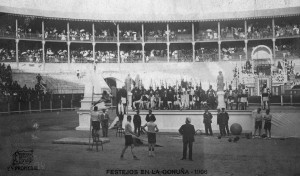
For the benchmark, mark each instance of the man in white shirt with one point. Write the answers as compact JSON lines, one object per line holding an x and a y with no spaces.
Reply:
{"x":128,"y":138}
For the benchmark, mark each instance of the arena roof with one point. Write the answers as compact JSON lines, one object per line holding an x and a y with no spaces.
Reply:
{"x":151,"y":10}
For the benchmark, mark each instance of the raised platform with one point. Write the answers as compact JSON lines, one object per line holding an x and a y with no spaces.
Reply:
{"x":171,"y":120}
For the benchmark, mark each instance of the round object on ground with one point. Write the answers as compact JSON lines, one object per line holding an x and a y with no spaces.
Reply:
{"x":219,"y":137}
{"x":236,"y":129}
{"x":229,"y":140}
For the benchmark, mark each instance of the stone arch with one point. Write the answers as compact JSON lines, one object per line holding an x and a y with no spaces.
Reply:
{"x":259,"y":52}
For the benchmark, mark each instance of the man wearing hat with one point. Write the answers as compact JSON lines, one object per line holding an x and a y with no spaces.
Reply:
{"x":187,"y":131}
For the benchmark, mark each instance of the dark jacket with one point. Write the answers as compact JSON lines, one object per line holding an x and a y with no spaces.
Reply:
{"x":149,"y":116}
{"x":137,"y":120}
{"x":223,"y":118}
{"x":187,"y":131}
{"x":207,"y":117}
{"x":104,"y":119}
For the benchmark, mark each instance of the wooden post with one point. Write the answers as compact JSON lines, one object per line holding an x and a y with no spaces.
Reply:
{"x":193,"y":32}
{"x":61,"y":105}
{"x":19,"y":104}
{"x":193,"y":43}
{"x":143,"y":52}
{"x":219,"y":50}
{"x":8,"y":107}
{"x":51,"y":105}
{"x":29,"y":106}
{"x":281,"y":100}
{"x":291,"y":99}
{"x":168,"y":51}
{"x":17,"y":53}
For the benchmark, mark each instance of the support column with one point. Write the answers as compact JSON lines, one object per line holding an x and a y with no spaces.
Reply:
{"x":193,"y":32}
{"x":17,"y":28}
{"x":193,"y":43}
{"x":43,"y":47}
{"x":43,"y":30}
{"x":143,"y":51}
{"x":118,"y":45}
{"x":274,"y":46}
{"x":94,"y":55}
{"x":68,"y":31}
{"x":93,"y":32}
{"x":246,"y":31}
{"x":246,"y":49}
{"x":168,"y":50}
{"x":219,"y":31}
{"x":69,"y":53}
{"x":219,"y":49}
{"x":118,"y":33}
{"x":143,"y":33}
{"x":17,"y":52}
{"x":273,"y":27}
{"x":168,"y":33}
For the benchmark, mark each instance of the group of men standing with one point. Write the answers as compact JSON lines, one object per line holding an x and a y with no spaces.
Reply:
{"x":222,"y":121}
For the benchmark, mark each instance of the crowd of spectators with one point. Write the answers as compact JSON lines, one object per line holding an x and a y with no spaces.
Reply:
{"x":11,"y":89}
{"x":131,"y":35}
{"x":7,"y":54}
{"x":156,"y":34}
{"x":208,"y":34}
{"x":179,"y":97}
{"x":287,"y":30}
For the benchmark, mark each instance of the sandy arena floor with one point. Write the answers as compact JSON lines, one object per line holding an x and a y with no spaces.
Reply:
{"x":212,"y":156}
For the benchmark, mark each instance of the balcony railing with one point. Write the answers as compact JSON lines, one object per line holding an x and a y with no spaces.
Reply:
{"x":105,"y":39}
{"x":130,"y":39}
{"x":7,"y":35}
{"x":182,"y":37}
{"x":29,"y":36}
{"x":155,"y":39}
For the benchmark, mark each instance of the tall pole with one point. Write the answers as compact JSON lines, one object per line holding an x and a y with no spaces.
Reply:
{"x":168,"y":42}
{"x":193,"y":43}
{"x":118,"y":42}
{"x":17,"y":53}
{"x":17,"y":45}
{"x":274,"y":38}
{"x":143,"y":43}
{"x":68,"y":42}
{"x":219,"y":40}
{"x":94,"y":44}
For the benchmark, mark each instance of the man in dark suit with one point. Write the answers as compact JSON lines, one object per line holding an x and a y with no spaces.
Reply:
{"x":187,"y":131}
{"x":148,"y":116}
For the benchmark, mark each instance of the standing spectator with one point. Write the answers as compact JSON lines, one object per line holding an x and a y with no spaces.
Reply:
{"x":187,"y":131}
{"x":220,"y":123}
{"x":267,"y":127}
{"x":78,"y":74}
{"x":258,"y":122}
{"x":211,"y":94}
{"x":137,"y":123}
{"x":151,"y":132}
{"x":225,"y":119}
{"x":120,"y":112}
{"x":39,"y":78}
{"x":128,"y":138}
{"x":95,"y":122}
{"x":148,"y":116}
{"x":104,"y":122}
{"x":207,"y":122}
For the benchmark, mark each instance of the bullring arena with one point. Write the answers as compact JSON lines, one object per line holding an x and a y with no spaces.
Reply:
{"x":179,"y":59}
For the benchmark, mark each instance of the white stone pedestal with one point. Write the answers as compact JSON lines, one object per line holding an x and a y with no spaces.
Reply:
{"x":129,"y":98}
{"x":85,"y":111}
{"x":221,"y":102}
